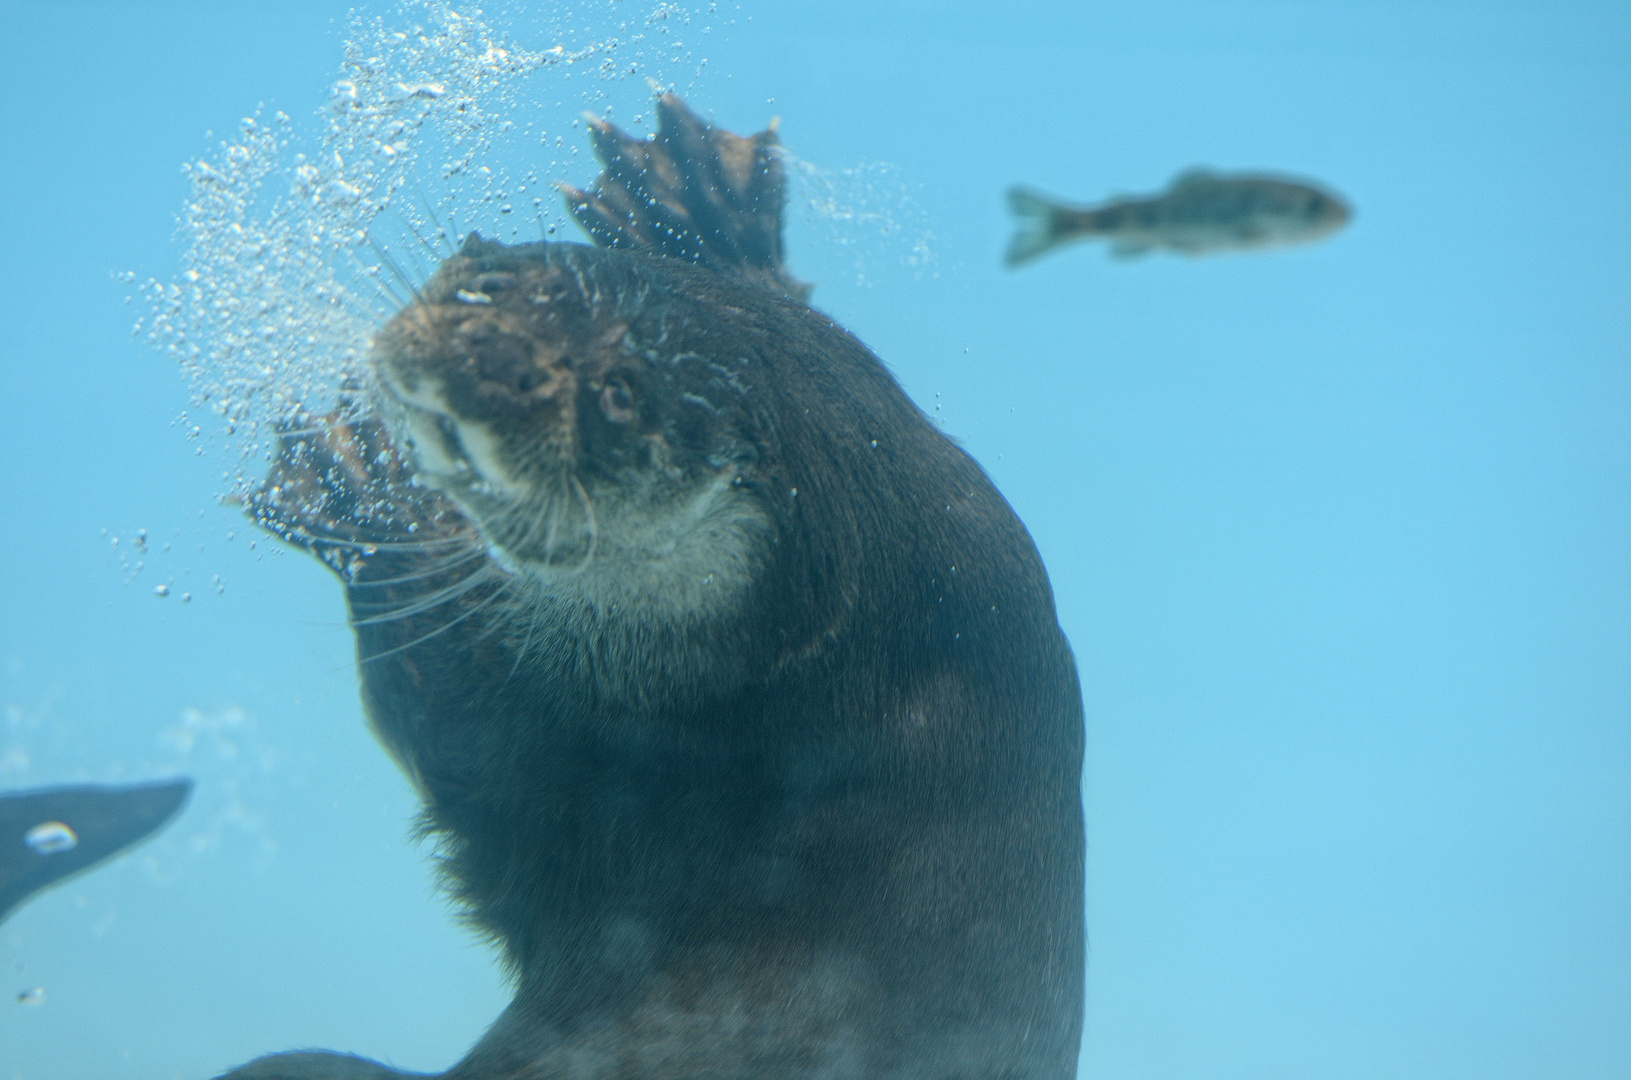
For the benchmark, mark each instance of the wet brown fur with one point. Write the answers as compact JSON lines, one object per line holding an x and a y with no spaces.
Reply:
{"x":830,"y":830}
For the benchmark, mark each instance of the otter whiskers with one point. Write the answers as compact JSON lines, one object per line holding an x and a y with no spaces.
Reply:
{"x":450,"y":624}
{"x":419,"y":605}
{"x":369,"y":545}
{"x":460,"y":598}
{"x":456,"y":559}
{"x":589,"y":514}
{"x":384,"y":255}
{"x":533,"y":531}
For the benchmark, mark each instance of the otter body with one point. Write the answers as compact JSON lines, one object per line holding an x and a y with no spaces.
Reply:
{"x":732,"y":687}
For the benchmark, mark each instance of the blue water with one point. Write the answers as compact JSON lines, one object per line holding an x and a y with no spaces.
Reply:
{"x":1340,"y":534}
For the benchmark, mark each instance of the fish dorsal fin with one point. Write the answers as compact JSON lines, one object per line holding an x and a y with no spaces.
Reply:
{"x":694,"y":191}
{"x":1190,"y":177}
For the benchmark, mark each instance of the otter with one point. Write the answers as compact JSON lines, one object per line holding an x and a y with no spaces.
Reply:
{"x":732,"y":687}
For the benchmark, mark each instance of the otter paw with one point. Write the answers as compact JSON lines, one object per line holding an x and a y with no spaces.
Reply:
{"x":695,"y":192}
{"x":340,"y":486}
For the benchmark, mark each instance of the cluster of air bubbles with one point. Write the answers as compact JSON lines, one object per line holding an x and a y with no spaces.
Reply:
{"x":162,"y":564}
{"x":300,"y":242}
{"x":868,"y":214}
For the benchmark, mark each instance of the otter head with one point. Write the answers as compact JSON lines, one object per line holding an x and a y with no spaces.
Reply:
{"x":559,"y":396}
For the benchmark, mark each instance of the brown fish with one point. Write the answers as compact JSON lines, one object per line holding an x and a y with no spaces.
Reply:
{"x":1200,"y":212}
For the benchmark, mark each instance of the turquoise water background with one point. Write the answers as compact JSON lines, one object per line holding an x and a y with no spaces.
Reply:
{"x":1341,"y":535}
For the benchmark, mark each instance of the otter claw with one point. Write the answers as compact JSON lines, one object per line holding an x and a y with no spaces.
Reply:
{"x":694,"y":192}
{"x":340,"y":484}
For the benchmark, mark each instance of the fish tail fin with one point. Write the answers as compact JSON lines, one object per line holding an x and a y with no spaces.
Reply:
{"x":1043,"y":224}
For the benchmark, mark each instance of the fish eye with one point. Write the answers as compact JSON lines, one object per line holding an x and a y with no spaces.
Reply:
{"x":617,"y":401}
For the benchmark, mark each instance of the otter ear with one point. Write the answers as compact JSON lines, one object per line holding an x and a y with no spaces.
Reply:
{"x":693,"y":192}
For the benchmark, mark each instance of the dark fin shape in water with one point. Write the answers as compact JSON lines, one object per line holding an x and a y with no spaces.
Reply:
{"x":49,"y":834}
{"x":317,"y":1065}
{"x":695,"y":192}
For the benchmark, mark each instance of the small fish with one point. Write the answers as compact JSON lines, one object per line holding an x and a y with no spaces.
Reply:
{"x":36,"y":996}
{"x":49,"y":834}
{"x":1201,"y":212}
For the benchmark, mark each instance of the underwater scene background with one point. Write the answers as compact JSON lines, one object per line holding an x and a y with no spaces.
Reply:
{"x":1339,"y":533}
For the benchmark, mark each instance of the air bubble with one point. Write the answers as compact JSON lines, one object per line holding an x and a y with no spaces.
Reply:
{"x":272,"y":314}
{"x":51,"y":838}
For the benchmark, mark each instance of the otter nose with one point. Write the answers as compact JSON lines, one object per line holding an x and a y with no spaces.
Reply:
{"x":504,"y":364}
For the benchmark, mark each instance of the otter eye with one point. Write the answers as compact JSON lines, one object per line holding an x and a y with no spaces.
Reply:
{"x":617,"y":402}
{"x":492,"y":283}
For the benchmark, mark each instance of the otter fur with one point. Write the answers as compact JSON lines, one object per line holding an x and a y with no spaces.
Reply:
{"x":732,"y":687}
